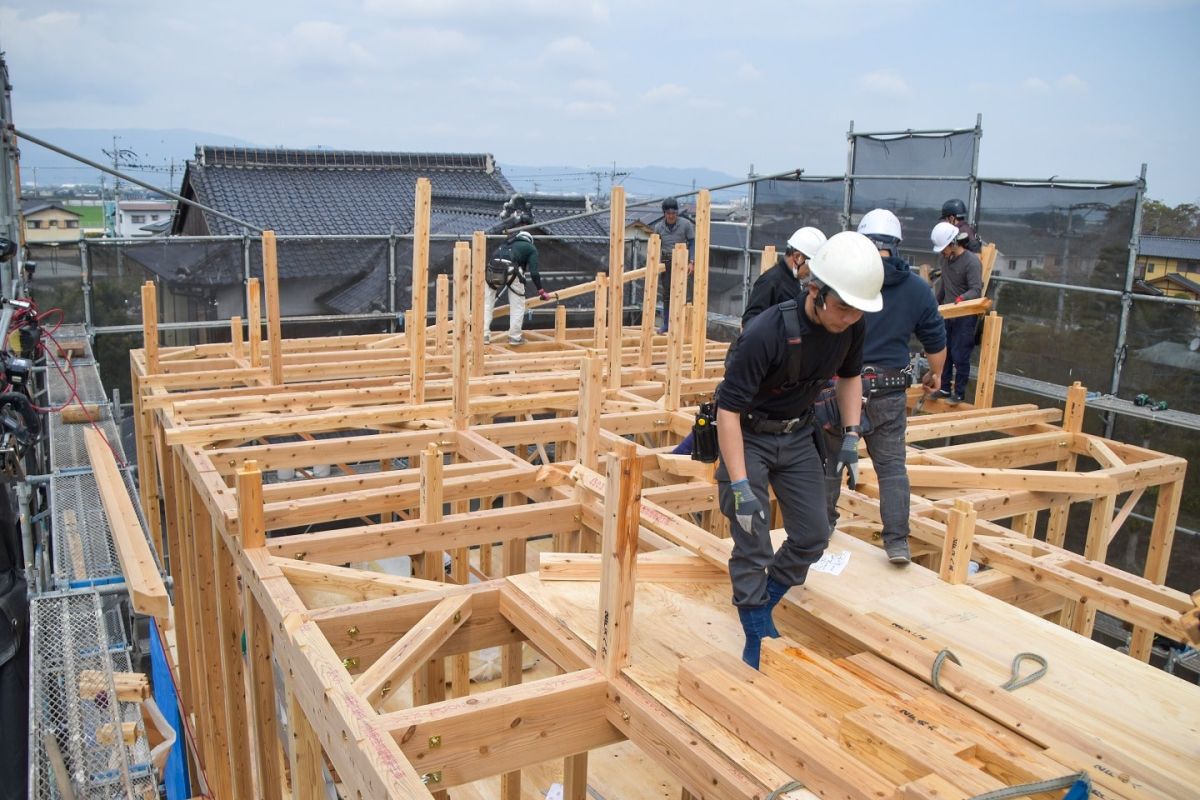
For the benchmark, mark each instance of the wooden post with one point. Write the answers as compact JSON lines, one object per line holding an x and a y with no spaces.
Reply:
{"x":1056,"y":523}
{"x":429,"y":684}
{"x":600,"y":314}
{"x":478,"y":287}
{"x":619,"y":546}
{"x":1158,"y":556}
{"x":251,"y":527}
{"x":512,"y":655}
{"x":769,"y":258}
{"x":462,"y":336}
{"x":956,"y":551}
{"x":676,"y":329}
{"x":575,"y":777}
{"x":560,"y":324}
{"x":650,"y":301}
{"x":1080,"y":614}
{"x":150,"y":326}
{"x":274,"y":331}
{"x":230,"y":625}
{"x":989,"y":359}
{"x":307,"y":764}
{"x":235,"y":337}
{"x":442,"y":335}
{"x":616,"y":285}
{"x":591,"y":398}
{"x":420,"y":262}
{"x":254,"y":318}
{"x":262,"y":688}
{"x":700,"y":283}
{"x":416,"y":357}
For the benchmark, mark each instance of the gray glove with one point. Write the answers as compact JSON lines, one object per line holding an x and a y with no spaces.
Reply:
{"x":848,"y":459}
{"x":745,"y":504}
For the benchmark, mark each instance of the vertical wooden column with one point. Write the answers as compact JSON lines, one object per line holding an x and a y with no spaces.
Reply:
{"x":1158,"y":556}
{"x":235,"y":337}
{"x":442,"y":330}
{"x":619,"y":545}
{"x":420,"y":262}
{"x":189,"y":645}
{"x":1080,"y":613}
{"x":478,"y":287}
{"x":600,"y":315}
{"x":271,"y":284}
{"x":229,"y":628}
{"x":650,"y":301}
{"x":430,"y":684}
{"x":1025,"y":523}
{"x":460,"y":572}
{"x":512,"y":655}
{"x":616,"y":285}
{"x":1056,"y":525}
{"x":591,"y":397}
{"x":150,"y":326}
{"x":575,"y":777}
{"x":700,"y":282}
{"x":560,"y":323}
{"x":956,"y":551}
{"x":174,"y":534}
{"x":769,"y":257}
{"x":254,"y":318}
{"x":304,"y":755}
{"x":414,"y":336}
{"x":989,"y":359}
{"x":676,"y":329}
{"x":462,"y":336}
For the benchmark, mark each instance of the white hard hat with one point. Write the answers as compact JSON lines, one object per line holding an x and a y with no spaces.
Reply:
{"x":944,"y":233}
{"x":849,"y":263}
{"x":881,"y":226}
{"x":808,"y":241}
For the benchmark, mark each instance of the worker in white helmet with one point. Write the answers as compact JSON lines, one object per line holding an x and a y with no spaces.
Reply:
{"x":786,"y":279}
{"x":962,"y":279}
{"x":766,"y":430}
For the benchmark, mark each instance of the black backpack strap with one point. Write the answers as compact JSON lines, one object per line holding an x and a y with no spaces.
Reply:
{"x":790,"y":310}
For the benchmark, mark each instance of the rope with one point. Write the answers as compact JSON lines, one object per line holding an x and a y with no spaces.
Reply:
{"x":791,"y":786}
{"x":935,"y":675}
{"x":1049,"y":785}
{"x":1016,"y":682}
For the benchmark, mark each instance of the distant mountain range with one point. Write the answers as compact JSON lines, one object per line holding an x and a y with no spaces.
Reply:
{"x":151,"y":155}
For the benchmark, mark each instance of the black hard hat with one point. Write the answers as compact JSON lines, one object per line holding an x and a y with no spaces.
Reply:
{"x":954,"y":207}
{"x":670,"y":204}
{"x":8,"y":248}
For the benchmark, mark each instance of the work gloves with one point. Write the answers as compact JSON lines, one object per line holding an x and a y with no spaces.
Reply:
{"x":543,"y":294}
{"x":745,"y":504}
{"x":848,"y":459}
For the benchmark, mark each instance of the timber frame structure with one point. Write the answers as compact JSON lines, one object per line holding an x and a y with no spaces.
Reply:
{"x":450,"y":453}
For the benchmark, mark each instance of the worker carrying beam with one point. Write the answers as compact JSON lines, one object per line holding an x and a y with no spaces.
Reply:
{"x":908,"y":308}
{"x":787,"y":279}
{"x":962,"y":279}
{"x":766,"y":430}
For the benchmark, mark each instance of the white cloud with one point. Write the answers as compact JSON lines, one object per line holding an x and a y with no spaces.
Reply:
{"x":665,"y":92}
{"x":321,"y":43}
{"x":590,"y":109}
{"x":885,"y":82}
{"x":465,"y":10}
{"x":1036,"y":85}
{"x":748,"y":72}
{"x":593,"y":87}
{"x":570,"y":51}
{"x":1071,"y":83}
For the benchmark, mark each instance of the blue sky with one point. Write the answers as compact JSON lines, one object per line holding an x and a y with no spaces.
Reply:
{"x":1068,"y":88}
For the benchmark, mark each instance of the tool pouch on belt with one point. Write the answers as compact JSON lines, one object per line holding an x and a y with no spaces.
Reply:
{"x":829,"y":414}
{"x":878,"y":381}
{"x":704,"y":431}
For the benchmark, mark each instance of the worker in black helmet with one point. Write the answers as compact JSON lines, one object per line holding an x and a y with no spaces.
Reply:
{"x":673,"y":229}
{"x":955,"y":212}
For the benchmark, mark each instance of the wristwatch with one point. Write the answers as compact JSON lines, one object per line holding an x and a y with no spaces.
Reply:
{"x":857,"y":429}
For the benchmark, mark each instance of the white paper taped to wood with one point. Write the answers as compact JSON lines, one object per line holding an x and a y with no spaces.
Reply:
{"x":832,"y":563}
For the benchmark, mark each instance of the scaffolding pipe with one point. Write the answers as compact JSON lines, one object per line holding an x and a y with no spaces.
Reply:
{"x":1127,"y":298}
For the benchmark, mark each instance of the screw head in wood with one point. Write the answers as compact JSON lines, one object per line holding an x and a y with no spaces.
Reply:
{"x":352,"y":631}
{"x":350,"y":663}
{"x":432,"y":777}
{"x":435,"y":741}
{"x":300,"y":556}
{"x":387,"y":687}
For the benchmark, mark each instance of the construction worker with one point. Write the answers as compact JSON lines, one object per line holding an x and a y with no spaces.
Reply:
{"x":955,"y":212}
{"x":672,"y":230}
{"x":962,"y":279}
{"x":766,"y":431}
{"x":787,"y":278}
{"x":515,"y":262}
{"x":908,"y":308}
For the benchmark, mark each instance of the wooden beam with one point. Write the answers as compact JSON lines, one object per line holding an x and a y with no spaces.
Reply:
{"x":700,"y":282}
{"x":271,"y":284}
{"x":619,"y":546}
{"x":676,"y":333}
{"x":478,"y":287}
{"x":769,"y":258}
{"x":142,"y":579}
{"x":652,"y":567}
{"x":422,"y":205}
{"x":989,"y":360}
{"x":591,"y":398}
{"x":650,"y":300}
{"x":462,"y":336}
{"x":600,"y":314}
{"x":616,"y":284}
{"x":956,"y":553}
{"x":1158,"y":556}
{"x":254,"y":321}
{"x":150,"y":325}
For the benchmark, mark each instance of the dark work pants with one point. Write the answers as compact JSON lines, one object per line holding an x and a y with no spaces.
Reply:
{"x":789,"y":464}
{"x":885,"y":444}
{"x":960,"y":341}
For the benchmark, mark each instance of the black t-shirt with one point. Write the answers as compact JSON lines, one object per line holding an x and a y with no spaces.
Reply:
{"x":756,"y":367}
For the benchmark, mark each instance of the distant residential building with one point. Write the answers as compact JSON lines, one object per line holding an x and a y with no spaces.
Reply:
{"x":1169,"y":265}
{"x":141,"y":218}
{"x":47,"y":222}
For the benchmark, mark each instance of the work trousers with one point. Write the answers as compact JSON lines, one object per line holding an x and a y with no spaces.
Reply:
{"x":888,"y":417}
{"x":516,"y":311}
{"x":789,"y":464}
{"x":960,"y":341}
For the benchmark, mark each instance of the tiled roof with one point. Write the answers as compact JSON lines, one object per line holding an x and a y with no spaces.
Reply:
{"x":34,"y":206}
{"x":1178,"y":280}
{"x":1169,"y":247}
{"x":331,"y":192}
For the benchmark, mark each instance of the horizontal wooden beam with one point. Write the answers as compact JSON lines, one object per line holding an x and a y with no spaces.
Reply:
{"x":654,"y":567}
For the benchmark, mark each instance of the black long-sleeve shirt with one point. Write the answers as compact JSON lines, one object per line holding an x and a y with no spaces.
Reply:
{"x":771,"y":288}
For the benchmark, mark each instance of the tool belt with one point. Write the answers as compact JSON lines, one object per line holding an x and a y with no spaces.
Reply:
{"x":878,"y":381}
{"x":761,"y":424}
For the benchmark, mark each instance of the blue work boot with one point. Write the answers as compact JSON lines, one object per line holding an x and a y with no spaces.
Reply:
{"x":755,"y":620}
{"x":775,"y":593}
